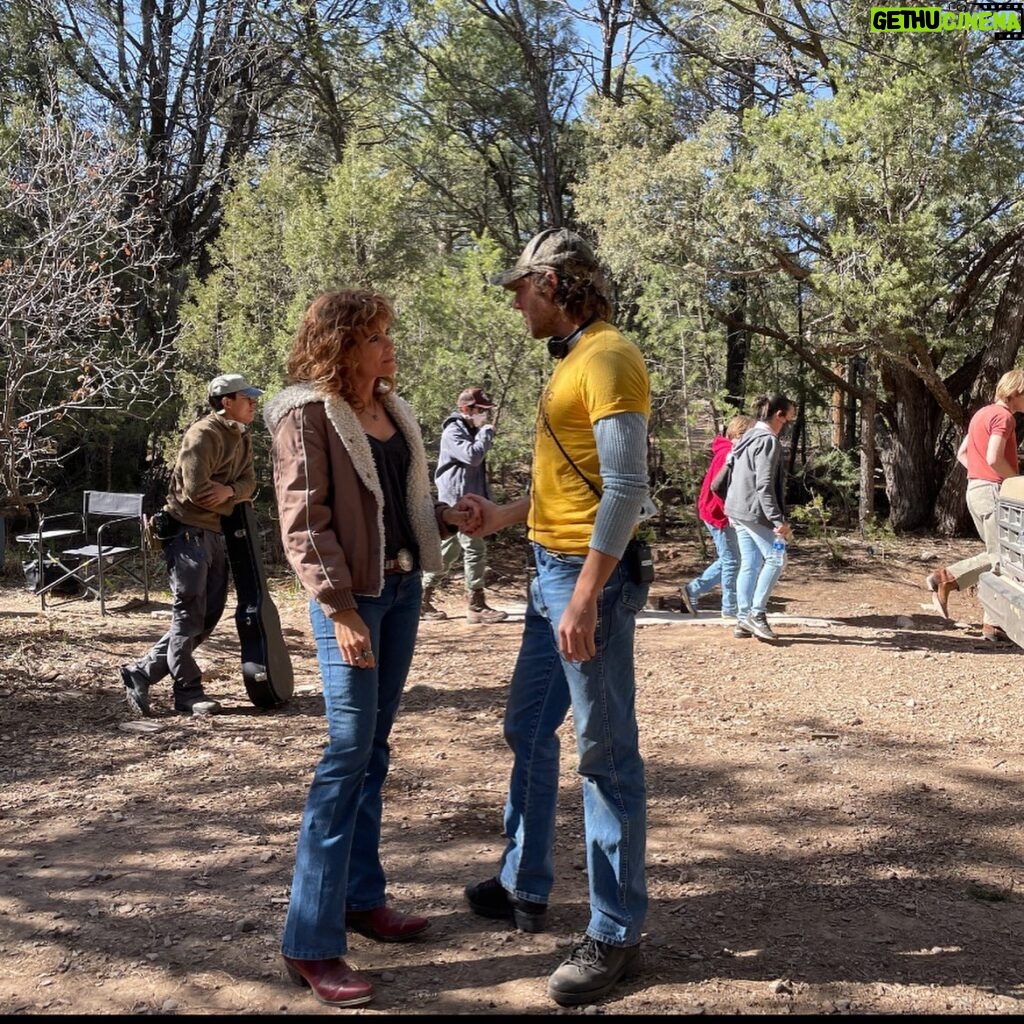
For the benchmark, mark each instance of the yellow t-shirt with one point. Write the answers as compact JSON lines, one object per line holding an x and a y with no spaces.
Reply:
{"x":604,"y":374}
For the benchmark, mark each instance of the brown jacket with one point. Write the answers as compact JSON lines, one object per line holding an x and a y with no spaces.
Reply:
{"x":212,"y":451}
{"x":329,"y":495}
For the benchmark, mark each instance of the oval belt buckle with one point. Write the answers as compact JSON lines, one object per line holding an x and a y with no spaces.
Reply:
{"x":405,"y":560}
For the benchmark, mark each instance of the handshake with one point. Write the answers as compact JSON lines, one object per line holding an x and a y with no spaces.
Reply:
{"x":474,"y":515}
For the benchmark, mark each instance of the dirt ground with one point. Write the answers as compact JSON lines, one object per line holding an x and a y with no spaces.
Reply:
{"x":834,"y":821}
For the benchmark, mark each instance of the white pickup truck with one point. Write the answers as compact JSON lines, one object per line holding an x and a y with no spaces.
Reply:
{"x":1003,"y":595}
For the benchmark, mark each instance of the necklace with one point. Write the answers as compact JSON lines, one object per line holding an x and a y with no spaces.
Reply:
{"x":375,"y":416}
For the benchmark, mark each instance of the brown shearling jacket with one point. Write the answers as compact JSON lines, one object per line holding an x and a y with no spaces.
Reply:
{"x":329,"y":496}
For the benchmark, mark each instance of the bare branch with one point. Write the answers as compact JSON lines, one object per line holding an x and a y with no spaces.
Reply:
{"x":77,"y":266}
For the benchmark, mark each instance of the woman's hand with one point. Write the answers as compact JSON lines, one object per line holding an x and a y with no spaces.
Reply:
{"x":460,"y":518}
{"x":785,"y":531}
{"x":478,"y":511}
{"x":353,"y":638}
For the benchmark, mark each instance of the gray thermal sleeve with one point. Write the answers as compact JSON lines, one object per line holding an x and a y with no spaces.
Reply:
{"x":622,"y":454}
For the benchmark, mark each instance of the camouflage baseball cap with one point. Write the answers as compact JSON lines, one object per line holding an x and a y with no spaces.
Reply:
{"x":554,"y":249}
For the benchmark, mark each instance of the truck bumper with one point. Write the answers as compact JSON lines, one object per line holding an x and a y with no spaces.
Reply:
{"x":1004,"y":601}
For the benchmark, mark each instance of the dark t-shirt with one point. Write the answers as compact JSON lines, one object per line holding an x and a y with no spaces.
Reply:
{"x":392,"y":459}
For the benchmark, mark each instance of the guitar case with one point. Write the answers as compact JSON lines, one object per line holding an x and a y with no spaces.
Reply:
{"x":266,"y":664}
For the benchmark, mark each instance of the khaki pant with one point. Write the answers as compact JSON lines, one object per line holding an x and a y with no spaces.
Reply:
{"x":982,"y":496}
{"x":474,"y":560}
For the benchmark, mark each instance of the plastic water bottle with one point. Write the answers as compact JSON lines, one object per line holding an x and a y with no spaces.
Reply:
{"x":778,"y":546}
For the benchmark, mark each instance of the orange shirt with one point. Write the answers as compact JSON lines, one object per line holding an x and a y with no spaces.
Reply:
{"x":992,"y":419}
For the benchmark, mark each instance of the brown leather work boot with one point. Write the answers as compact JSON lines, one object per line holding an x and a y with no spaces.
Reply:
{"x":942,"y":583}
{"x":994,"y":634}
{"x":427,"y":609}
{"x":480,"y":613}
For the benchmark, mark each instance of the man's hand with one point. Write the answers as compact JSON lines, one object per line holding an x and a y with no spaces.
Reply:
{"x":214,"y":496}
{"x":578,"y":626}
{"x":487,"y":518}
{"x":479,"y":513}
{"x":576,"y":630}
{"x":453,"y":516}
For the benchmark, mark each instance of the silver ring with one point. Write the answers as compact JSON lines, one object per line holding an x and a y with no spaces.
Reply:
{"x":365,"y":653}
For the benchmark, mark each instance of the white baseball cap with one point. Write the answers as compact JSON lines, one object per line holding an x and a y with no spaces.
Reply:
{"x":230,"y":384}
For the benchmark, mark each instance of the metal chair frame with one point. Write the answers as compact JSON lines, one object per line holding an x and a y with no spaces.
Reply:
{"x":93,"y":563}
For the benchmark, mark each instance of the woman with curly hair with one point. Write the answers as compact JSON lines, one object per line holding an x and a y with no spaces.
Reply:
{"x":359,"y":526}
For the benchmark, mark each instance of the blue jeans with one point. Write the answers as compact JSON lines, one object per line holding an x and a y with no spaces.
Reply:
{"x":337,"y":861}
{"x":602,"y":695}
{"x":722,"y":570}
{"x":760,"y":567}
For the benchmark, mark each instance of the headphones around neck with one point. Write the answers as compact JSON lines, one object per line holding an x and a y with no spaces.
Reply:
{"x":559,"y":348}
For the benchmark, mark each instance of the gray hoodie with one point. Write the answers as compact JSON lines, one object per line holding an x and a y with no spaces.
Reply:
{"x":461,"y":462}
{"x":757,"y":489}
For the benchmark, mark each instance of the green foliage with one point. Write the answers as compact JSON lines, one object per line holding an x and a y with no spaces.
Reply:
{"x":880,"y":530}
{"x":817,"y":521}
{"x":292,"y":236}
{"x":287,"y":237}
{"x":831,"y":476}
{"x":455,"y":330}
{"x":407,"y":147}
{"x":486,"y":114}
{"x":874,"y":181}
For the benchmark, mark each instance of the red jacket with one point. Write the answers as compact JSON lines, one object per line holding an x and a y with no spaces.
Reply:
{"x":710,"y":507}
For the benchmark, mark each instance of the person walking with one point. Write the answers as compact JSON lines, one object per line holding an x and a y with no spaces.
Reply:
{"x":756,"y":507}
{"x":989,"y":454}
{"x":711,"y":509}
{"x":213,"y":473}
{"x":466,"y":438}
{"x":359,"y":525}
{"x":588,"y":492}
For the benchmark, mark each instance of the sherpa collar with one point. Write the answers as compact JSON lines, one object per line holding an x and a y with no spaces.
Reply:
{"x":346,"y":423}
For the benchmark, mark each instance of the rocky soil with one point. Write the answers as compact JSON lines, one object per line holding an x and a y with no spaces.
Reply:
{"x":835,"y":820}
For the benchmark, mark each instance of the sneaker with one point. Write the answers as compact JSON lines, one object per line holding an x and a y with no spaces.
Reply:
{"x":491,"y":899}
{"x":689,"y":601}
{"x":591,"y":971}
{"x":741,"y":630}
{"x":137,"y":694}
{"x":195,"y":703}
{"x":758,"y":625}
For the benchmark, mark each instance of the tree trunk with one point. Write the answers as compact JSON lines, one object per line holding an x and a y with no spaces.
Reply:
{"x":907,"y":448}
{"x":838,"y":409}
{"x":868,"y":408}
{"x":855,"y":375}
{"x":737,"y":347}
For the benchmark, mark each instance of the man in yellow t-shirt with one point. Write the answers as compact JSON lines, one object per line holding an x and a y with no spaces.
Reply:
{"x":588,"y":492}
{"x":605,"y":376}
